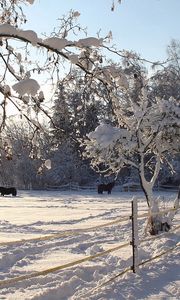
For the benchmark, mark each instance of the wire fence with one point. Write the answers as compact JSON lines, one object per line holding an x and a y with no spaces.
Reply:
{"x":128,"y":269}
{"x":127,"y":187}
{"x":134,"y":242}
{"x":61,"y":267}
{"x":67,"y":233}
{"x":135,"y":237}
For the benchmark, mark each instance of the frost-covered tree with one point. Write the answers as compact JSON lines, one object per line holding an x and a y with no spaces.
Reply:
{"x":15,"y":154}
{"x":80,"y":103}
{"x":75,"y":113}
{"x":62,"y":123}
{"x":148,"y":130}
{"x":21,"y":73}
{"x":20,"y":155}
{"x":28,"y":58}
{"x":165,"y":84}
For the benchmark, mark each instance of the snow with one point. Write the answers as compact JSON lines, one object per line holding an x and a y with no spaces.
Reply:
{"x":73,"y":58}
{"x":7,"y":29}
{"x":7,"y":90}
{"x":26,"y":86}
{"x":30,"y":35}
{"x":90,"y":41}
{"x":30,"y":1}
{"x":122,"y":81}
{"x":53,"y":42}
{"x":47,"y":164}
{"x":76,"y":14}
{"x":56,"y":42}
{"x":34,"y":214}
{"x":105,"y":134}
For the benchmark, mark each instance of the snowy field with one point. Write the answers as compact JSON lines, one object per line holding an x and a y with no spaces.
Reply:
{"x":71,"y":222}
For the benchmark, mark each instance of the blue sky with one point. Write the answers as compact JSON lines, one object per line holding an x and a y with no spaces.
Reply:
{"x":145,"y":26}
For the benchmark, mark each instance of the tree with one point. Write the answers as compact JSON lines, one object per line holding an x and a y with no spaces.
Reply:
{"x":22,"y":69}
{"x":28,"y":60}
{"x":22,"y":155}
{"x":74,"y":114}
{"x":144,"y":121}
{"x":61,"y":120}
{"x":18,"y":65}
{"x":165,"y":83}
{"x":147,"y":131}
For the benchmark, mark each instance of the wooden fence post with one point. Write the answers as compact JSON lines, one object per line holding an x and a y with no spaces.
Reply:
{"x":135,"y":238}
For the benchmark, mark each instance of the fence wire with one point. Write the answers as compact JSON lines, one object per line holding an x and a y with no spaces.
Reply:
{"x":66,"y":233}
{"x":80,"y":231}
{"x":61,"y":267}
{"x":157,"y":213}
{"x":159,"y":255}
{"x":14,"y":280}
{"x":159,"y":235}
{"x":112,"y":279}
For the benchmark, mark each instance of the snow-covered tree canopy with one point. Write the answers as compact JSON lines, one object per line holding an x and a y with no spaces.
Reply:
{"x":27,"y":60}
{"x":32,"y":66}
{"x":148,"y":128}
{"x":146,"y":131}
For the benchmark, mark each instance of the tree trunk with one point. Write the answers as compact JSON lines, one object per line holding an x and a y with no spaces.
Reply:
{"x":154,"y":222}
{"x":158,"y":222}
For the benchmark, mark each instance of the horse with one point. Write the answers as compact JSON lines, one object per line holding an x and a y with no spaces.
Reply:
{"x":105,"y":187}
{"x":8,"y":191}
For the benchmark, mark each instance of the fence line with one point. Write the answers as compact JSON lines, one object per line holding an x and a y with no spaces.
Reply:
{"x":130,"y":269}
{"x":159,"y":235}
{"x":157,"y":213}
{"x":61,"y":267}
{"x":135,"y":242}
{"x":159,"y":255}
{"x":90,"y":292}
{"x":134,"y":218}
{"x":66,"y":233}
{"x":70,"y":186}
{"x":135,"y":238}
{"x":79,"y":231}
{"x":169,"y":187}
{"x":120,"y":187}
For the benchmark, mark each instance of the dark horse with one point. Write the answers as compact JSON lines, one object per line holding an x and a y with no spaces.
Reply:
{"x":8,"y":191}
{"x":105,"y":187}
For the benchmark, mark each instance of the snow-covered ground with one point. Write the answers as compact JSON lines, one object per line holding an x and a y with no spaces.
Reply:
{"x":73,"y":218}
